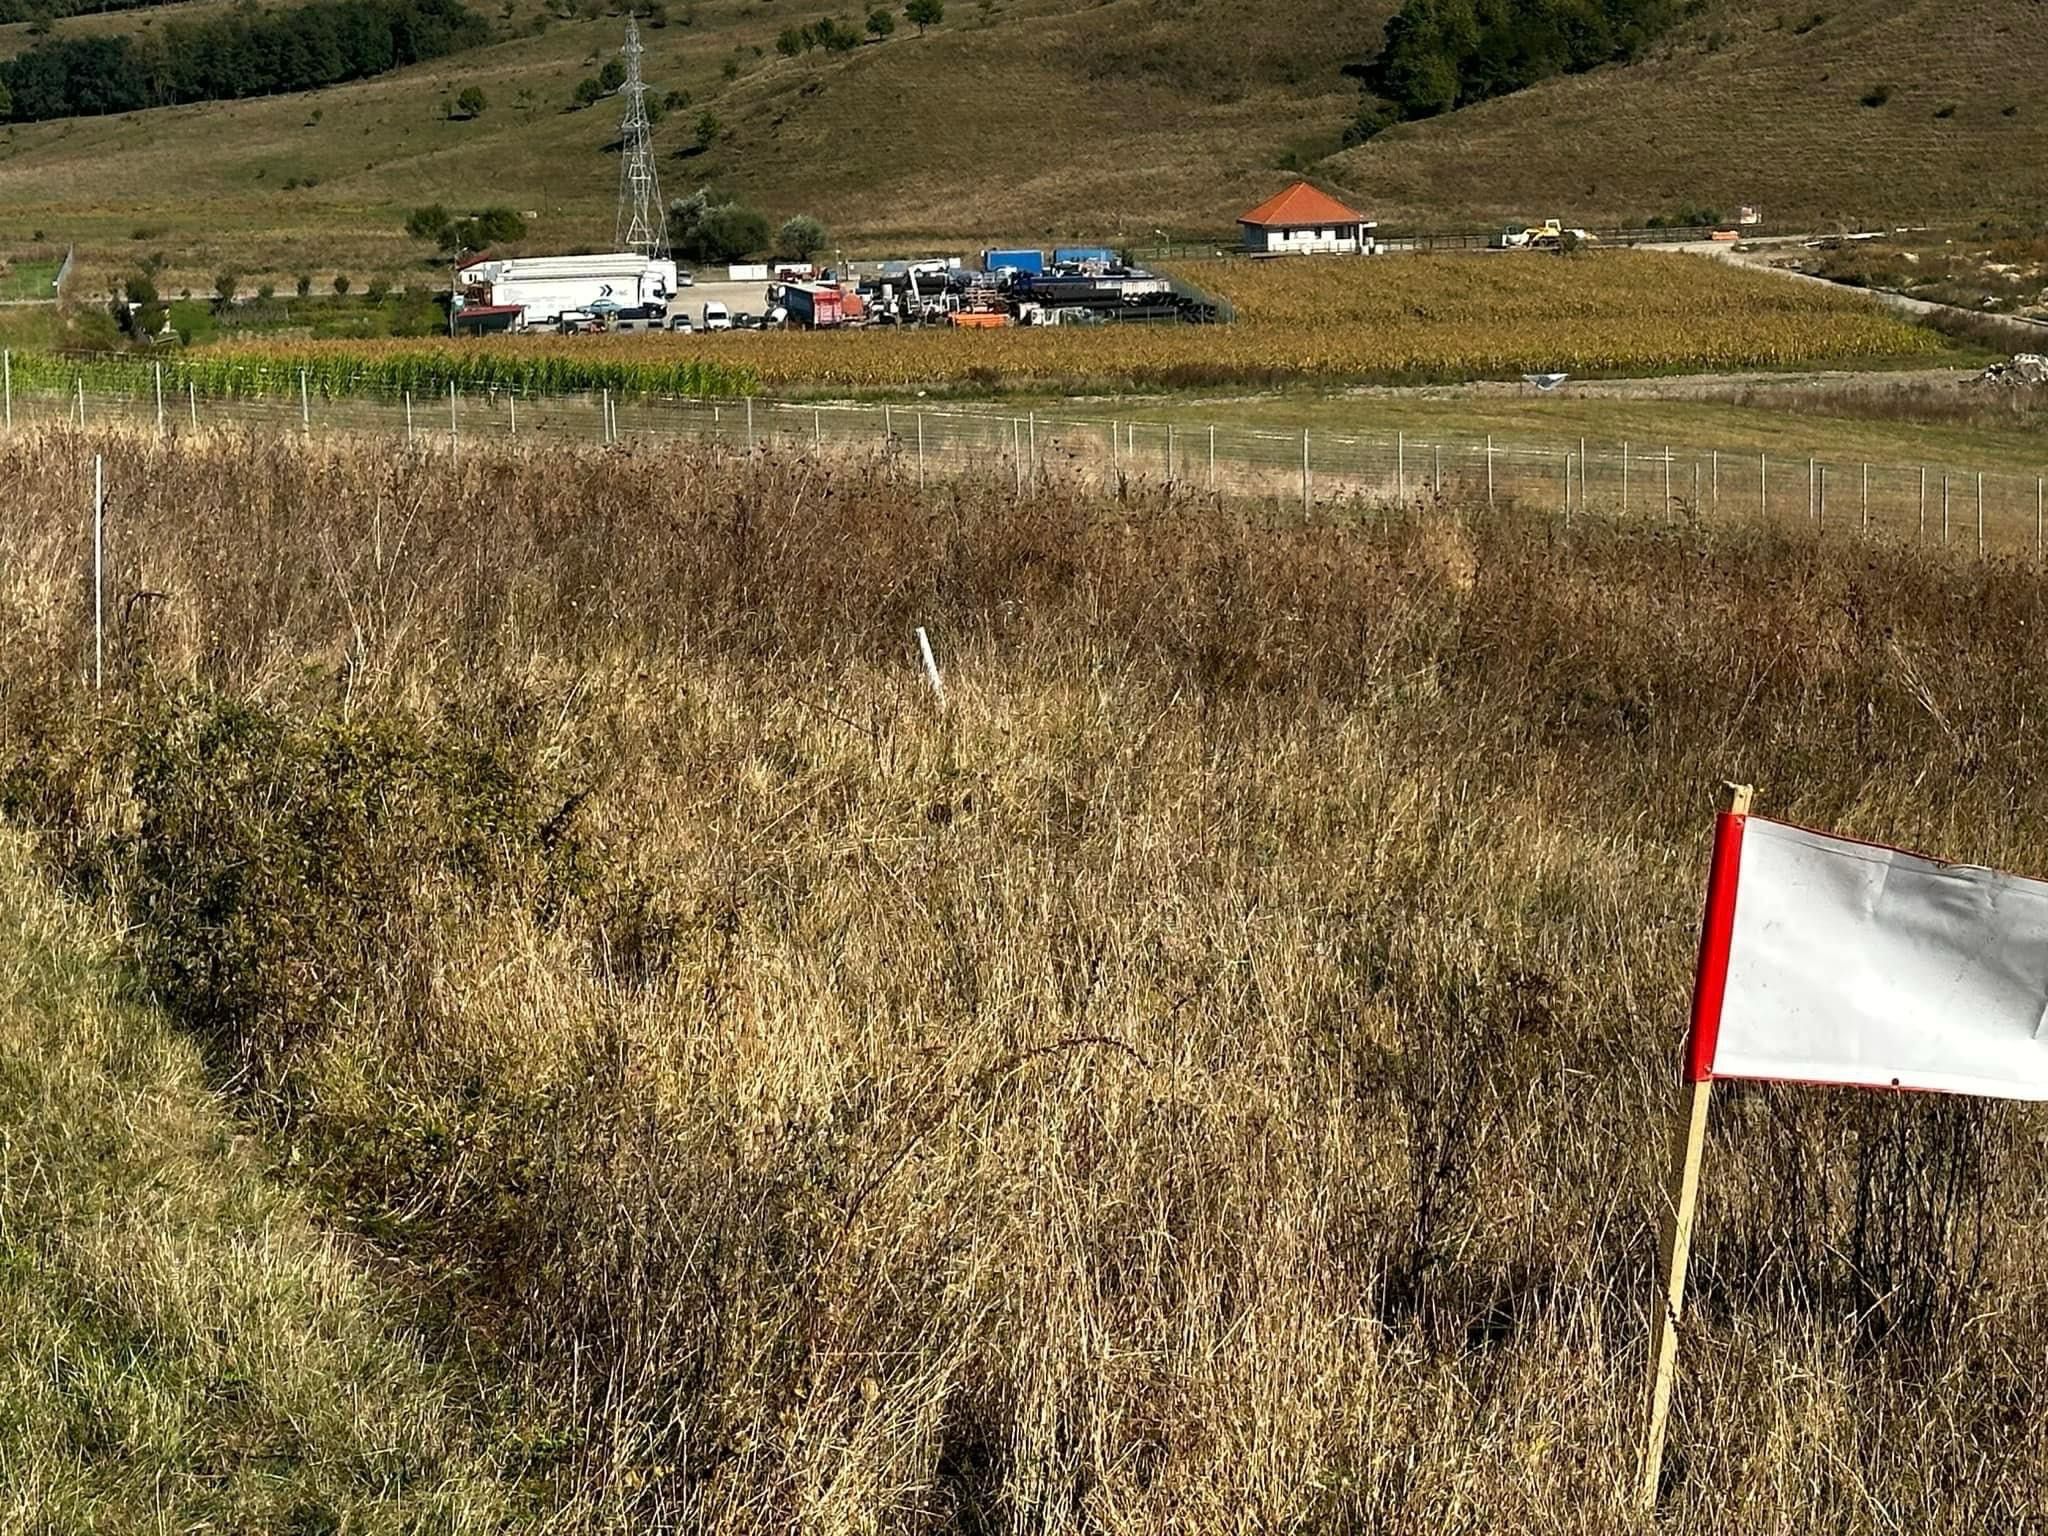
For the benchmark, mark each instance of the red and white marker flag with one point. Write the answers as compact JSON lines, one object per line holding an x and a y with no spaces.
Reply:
{"x":1825,"y":960}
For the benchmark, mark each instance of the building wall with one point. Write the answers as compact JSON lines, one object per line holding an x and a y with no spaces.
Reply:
{"x":1342,"y":239}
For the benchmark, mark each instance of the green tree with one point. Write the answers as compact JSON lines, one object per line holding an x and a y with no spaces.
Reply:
{"x":801,"y":237}
{"x":925,"y":13}
{"x":341,"y":285}
{"x":789,"y":42}
{"x":881,"y":22}
{"x":588,"y":92}
{"x":708,"y":127}
{"x":141,"y":316}
{"x":305,"y":284}
{"x":612,"y":76}
{"x":428,"y":222}
{"x":266,"y":292}
{"x":224,"y":285}
{"x":378,"y":290}
{"x":471,"y":102}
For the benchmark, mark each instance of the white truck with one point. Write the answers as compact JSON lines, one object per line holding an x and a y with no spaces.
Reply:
{"x":549,"y":287}
{"x":717,"y":317}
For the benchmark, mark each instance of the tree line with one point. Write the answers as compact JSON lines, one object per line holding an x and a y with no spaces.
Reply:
{"x":1438,"y":55}
{"x":240,"y":53}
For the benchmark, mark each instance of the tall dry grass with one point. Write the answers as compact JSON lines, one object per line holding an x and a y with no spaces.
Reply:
{"x":1214,"y":1075}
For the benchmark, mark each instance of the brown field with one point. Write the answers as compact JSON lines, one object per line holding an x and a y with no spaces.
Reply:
{"x":1212,"y":1075}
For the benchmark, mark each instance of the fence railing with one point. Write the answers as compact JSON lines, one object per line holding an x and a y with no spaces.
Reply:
{"x":1934,"y":503}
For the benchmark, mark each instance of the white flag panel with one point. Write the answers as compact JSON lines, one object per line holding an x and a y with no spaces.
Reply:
{"x":1857,"y":964}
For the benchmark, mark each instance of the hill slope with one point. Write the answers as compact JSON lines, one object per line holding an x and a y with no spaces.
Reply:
{"x":1049,"y":119}
{"x":1742,"y":106}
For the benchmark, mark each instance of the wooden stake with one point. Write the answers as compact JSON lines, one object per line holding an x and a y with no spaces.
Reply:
{"x":1687,"y":1148}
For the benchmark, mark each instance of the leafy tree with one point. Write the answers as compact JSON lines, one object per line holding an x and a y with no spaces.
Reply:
{"x":676,"y":101}
{"x":266,"y":292}
{"x":881,"y":22}
{"x":789,"y":42}
{"x":225,"y":283}
{"x":341,"y":285}
{"x":471,"y":102}
{"x":305,"y":284}
{"x":378,"y":290}
{"x":612,"y":76}
{"x":428,"y":222}
{"x":925,"y":13}
{"x":801,"y":237}
{"x":708,"y":127}
{"x":588,"y":92}
{"x":6,"y":103}
{"x":140,"y":315}
{"x":702,"y":229}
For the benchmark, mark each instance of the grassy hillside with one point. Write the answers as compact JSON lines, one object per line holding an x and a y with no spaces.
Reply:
{"x":1035,"y":119}
{"x":1046,"y":119}
{"x":180,"y":1348}
{"x":1755,"y":101}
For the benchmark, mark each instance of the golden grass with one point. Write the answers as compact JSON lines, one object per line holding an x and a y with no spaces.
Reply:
{"x":1212,"y":1076}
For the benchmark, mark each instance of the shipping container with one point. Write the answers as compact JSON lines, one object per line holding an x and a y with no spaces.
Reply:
{"x":814,"y":306}
{"x":1015,"y":261}
{"x":1084,"y":256}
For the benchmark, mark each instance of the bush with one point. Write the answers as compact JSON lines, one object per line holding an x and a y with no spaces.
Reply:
{"x":881,"y":23}
{"x":427,"y":223}
{"x":1877,"y":95}
{"x":340,"y":285}
{"x":925,"y":13}
{"x":471,"y":102}
{"x":801,"y":237}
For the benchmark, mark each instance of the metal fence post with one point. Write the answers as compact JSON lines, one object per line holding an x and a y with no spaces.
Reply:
{"x":1923,"y":504}
{"x":159,"y":399}
{"x":1567,"y":487}
{"x":1212,"y":458}
{"x":1626,"y":455}
{"x":1437,"y":485}
{"x":2040,"y":505}
{"x":81,"y":402}
{"x":1489,"y":471}
{"x":305,"y":406}
{"x":920,"y":441}
{"x":1866,"y":498}
{"x":1944,"y":510}
{"x":7,"y":372}
{"x":1763,"y":489}
{"x":1033,"y":423}
{"x":1401,"y":466}
{"x":750,"y":427}
{"x":1667,"y":479}
{"x":1304,"y":470}
{"x":192,"y":399}
{"x":512,"y":401}
{"x":817,"y":427}
{"x":408,"y":415}
{"x":1717,"y":479}
{"x":1820,"y":514}
{"x":1812,"y":483}
{"x":1169,"y":453}
{"x":1980,"y":514}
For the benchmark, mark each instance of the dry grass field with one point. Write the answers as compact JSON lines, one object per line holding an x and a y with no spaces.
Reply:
{"x":1210,"y":1075}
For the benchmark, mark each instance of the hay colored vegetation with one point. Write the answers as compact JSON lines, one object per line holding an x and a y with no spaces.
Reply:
{"x":1407,"y":319}
{"x":1213,"y":1076}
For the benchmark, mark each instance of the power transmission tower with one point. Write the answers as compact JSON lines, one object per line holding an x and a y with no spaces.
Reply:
{"x":640,"y":225}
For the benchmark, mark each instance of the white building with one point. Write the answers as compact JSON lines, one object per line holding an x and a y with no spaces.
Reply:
{"x":1301,"y":220}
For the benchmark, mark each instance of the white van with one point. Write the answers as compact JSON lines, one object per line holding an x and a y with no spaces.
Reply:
{"x":717,"y":317}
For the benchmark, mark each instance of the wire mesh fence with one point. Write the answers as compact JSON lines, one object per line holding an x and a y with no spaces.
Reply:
{"x":1990,"y":511}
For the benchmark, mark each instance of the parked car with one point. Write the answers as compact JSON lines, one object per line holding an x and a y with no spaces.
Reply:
{"x":743,"y":320}
{"x":680,"y":322}
{"x":684,"y":279}
{"x":717,"y":317}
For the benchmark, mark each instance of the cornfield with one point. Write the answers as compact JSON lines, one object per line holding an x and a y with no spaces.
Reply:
{"x":1414,"y":319}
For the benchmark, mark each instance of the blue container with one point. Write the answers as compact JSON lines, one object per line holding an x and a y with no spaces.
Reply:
{"x":1017,"y":261}
{"x":1084,"y":255}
